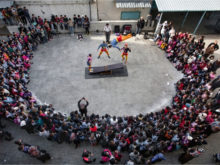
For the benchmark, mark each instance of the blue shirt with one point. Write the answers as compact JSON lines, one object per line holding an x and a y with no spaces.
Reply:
{"x":103,"y":46}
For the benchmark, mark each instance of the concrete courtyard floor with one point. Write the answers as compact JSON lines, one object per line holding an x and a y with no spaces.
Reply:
{"x":58,"y":77}
{"x":152,"y":57}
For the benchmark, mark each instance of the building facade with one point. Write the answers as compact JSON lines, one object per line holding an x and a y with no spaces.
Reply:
{"x":96,"y":10}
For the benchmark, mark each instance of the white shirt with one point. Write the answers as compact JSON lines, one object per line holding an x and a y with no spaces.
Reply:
{"x":162,"y":31}
{"x":107,"y":28}
{"x":172,"y":32}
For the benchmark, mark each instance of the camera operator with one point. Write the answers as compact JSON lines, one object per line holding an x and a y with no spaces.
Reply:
{"x":82,"y":105}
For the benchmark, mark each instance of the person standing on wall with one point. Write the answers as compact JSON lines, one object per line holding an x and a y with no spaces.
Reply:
{"x":26,"y":14}
{"x":149,"y":20}
{"x":140,"y":25}
{"x":86,"y":24}
{"x":82,"y":105}
{"x":70,"y":25}
{"x":107,"y":30}
{"x":65,"y":20}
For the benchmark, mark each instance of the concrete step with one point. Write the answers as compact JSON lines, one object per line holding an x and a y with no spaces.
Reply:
{"x":98,"y":25}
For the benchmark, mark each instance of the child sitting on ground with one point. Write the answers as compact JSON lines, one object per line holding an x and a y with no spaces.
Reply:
{"x":88,"y":157}
{"x":80,"y":36}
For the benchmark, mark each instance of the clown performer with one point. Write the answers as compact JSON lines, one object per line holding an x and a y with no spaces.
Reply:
{"x":103,"y":47}
{"x":120,"y":38}
{"x":125,"y":53}
{"x":89,"y":62}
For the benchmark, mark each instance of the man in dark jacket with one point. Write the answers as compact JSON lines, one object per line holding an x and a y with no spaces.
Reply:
{"x":82,"y":105}
{"x":140,"y":25}
{"x":21,"y":15}
{"x":215,"y":65}
{"x":26,"y":14}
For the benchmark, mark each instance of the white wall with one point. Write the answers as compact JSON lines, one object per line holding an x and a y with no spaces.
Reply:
{"x":107,"y":10}
{"x":59,"y":7}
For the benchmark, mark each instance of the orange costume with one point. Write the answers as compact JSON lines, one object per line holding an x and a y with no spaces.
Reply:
{"x":125,"y":53}
{"x":120,"y":39}
{"x":103,"y":47}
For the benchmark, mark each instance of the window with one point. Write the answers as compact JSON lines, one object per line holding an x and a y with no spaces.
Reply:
{"x":128,"y":15}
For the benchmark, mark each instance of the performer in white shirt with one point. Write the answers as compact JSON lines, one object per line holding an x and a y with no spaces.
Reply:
{"x":107,"y":30}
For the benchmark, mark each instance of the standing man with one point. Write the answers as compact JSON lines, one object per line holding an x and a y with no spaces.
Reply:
{"x":26,"y":14}
{"x":140,"y":25}
{"x":65,"y":20}
{"x":86,"y":25}
{"x":107,"y":30}
{"x":21,"y":15}
{"x":82,"y":105}
{"x":149,"y":20}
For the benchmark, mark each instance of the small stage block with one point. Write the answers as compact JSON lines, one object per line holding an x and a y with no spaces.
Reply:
{"x":107,"y":68}
{"x":110,"y":72}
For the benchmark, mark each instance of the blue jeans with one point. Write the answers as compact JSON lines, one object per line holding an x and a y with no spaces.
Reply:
{"x":71,"y":29}
{"x":138,"y":30}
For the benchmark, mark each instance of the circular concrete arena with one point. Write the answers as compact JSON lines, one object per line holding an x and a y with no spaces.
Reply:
{"x":58,"y":77}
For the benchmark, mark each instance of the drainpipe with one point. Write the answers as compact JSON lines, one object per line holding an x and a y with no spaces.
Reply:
{"x":90,"y":11}
{"x":161,"y":14}
{"x":184,"y":20}
{"x":199,"y":22}
{"x":97,"y":6}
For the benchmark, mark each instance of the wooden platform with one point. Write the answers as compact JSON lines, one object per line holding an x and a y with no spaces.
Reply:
{"x":114,"y":70}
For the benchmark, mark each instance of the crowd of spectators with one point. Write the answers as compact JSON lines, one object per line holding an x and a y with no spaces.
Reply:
{"x":190,"y":118}
{"x":192,"y":106}
{"x":16,"y":15}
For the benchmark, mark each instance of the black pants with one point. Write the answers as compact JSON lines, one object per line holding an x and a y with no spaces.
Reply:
{"x":87,"y":30}
{"x":66,"y":26}
{"x":107,"y":36}
{"x":1,"y":125}
{"x":215,"y":84}
{"x":28,"y":18}
{"x":24,"y":21}
{"x":83,"y":112}
{"x":215,"y":67}
{"x":76,"y":142}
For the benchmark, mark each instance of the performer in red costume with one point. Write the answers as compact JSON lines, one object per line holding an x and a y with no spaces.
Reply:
{"x":103,"y":47}
{"x":119,"y":39}
{"x":124,"y":55}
